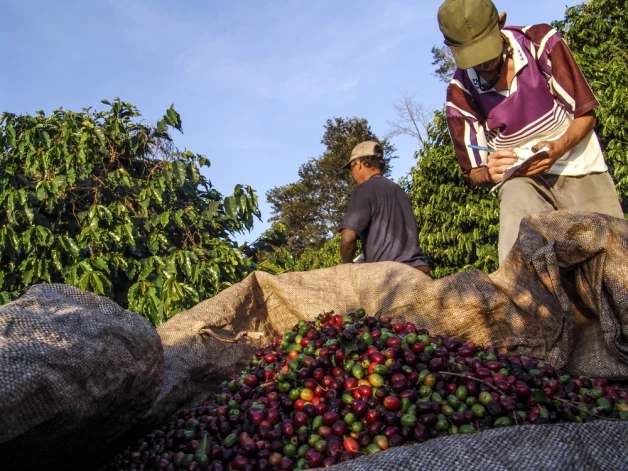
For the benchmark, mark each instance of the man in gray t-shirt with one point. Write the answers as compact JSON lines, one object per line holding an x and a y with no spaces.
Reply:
{"x":379,"y":214}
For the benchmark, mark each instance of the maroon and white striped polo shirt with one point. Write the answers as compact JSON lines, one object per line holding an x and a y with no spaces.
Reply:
{"x":547,"y":93}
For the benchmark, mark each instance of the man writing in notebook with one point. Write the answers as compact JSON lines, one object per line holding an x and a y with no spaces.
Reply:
{"x":516,"y":91}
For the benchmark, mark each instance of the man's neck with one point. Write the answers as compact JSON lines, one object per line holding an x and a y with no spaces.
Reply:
{"x":368,"y":176}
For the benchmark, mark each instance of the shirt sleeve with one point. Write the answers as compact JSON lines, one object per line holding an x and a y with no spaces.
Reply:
{"x":565,"y":79}
{"x":465,"y":128}
{"x":358,"y":215}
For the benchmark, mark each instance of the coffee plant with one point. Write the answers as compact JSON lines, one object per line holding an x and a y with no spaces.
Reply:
{"x":105,"y":202}
{"x":458,"y":223}
{"x":269,"y":252}
{"x":596,"y":33}
{"x":326,"y":256}
{"x":344,"y":386}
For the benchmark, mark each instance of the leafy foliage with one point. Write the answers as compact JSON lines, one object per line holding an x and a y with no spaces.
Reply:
{"x":444,"y":60}
{"x":326,"y":256}
{"x":597,"y":33}
{"x":312,"y":208}
{"x":269,"y":252}
{"x":96,"y":200}
{"x":458,"y":224}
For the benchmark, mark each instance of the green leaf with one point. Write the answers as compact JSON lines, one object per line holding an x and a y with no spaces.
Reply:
{"x":104,"y":213}
{"x":44,"y":236}
{"x":27,"y":239}
{"x":28,"y":268}
{"x":243,"y":203}
{"x":40,"y":191}
{"x":43,"y":271}
{"x":47,"y":140}
{"x":173,"y":118}
{"x":146,"y":272}
{"x":230,"y":207}
{"x":28,"y":214}
{"x":179,"y":171}
{"x":98,"y":262}
{"x":101,"y":136}
{"x":70,"y":246}
{"x":95,"y":285}
{"x":162,"y":127}
{"x":10,"y":134}
{"x":57,"y":261}
{"x":84,"y":282}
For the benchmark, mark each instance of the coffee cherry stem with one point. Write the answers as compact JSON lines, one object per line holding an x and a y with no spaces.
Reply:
{"x":588,"y":411}
{"x":492,"y":386}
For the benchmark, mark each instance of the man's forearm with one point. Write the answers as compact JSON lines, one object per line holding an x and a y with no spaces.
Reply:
{"x":348,"y":243}
{"x":347,"y":250}
{"x":577,"y":131}
{"x":480,"y":176}
{"x":425,"y":269}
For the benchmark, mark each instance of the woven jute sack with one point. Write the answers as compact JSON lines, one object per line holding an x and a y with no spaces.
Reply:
{"x":76,"y":372}
{"x":560,"y":295}
{"x":569,"y":447}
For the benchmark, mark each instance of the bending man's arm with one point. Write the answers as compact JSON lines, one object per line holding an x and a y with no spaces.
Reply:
{"x":576,"y":132}
{"x":573,"y":92}
{"x":463,"y":122}
{"x":348,"y":243}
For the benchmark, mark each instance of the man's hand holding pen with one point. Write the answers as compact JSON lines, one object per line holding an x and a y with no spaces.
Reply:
{"x":498,"y":161}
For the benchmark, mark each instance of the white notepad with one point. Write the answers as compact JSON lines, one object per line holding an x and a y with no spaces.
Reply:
{"x":538,"y":155}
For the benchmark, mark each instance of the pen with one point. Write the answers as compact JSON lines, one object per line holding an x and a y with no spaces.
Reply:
{"x":487,"y":149}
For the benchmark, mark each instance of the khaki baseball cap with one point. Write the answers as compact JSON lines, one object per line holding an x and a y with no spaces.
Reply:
{"x":471,"y":30}
{"x":365,"y":149}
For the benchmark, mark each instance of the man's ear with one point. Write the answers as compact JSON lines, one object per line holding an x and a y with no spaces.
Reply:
{"x":502,"y":20}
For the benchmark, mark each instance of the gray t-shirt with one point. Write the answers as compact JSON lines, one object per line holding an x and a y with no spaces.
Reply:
{"x":381,"y":214}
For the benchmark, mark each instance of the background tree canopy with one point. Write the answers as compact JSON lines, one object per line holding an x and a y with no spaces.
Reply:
{"x":597,"y":34}
{"x":102,"y":202}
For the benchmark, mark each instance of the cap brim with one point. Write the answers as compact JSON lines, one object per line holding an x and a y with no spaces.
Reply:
{"x":485,"y":49}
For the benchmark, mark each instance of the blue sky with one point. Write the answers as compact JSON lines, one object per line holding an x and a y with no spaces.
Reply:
{"x":253,"y":80}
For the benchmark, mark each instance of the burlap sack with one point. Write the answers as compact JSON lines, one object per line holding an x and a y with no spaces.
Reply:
{"x":569,"y":447}
{"x":560,"y":295}
{"x":76,"y":372}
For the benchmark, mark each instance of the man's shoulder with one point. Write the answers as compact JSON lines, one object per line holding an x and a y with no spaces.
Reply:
{"x":535,"y":33}
{"x":372,"y":187}
{"x":378,"y":182}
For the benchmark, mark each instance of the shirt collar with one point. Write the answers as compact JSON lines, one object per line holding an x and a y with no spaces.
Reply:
{"x":519,"y":58}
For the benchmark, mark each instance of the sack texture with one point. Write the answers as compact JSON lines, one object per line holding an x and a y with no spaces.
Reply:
{"x":76,"y":372}
{"x":573,"y":447}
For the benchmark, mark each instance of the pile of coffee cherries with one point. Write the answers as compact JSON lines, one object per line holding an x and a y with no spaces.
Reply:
{"x":344,"y":386}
